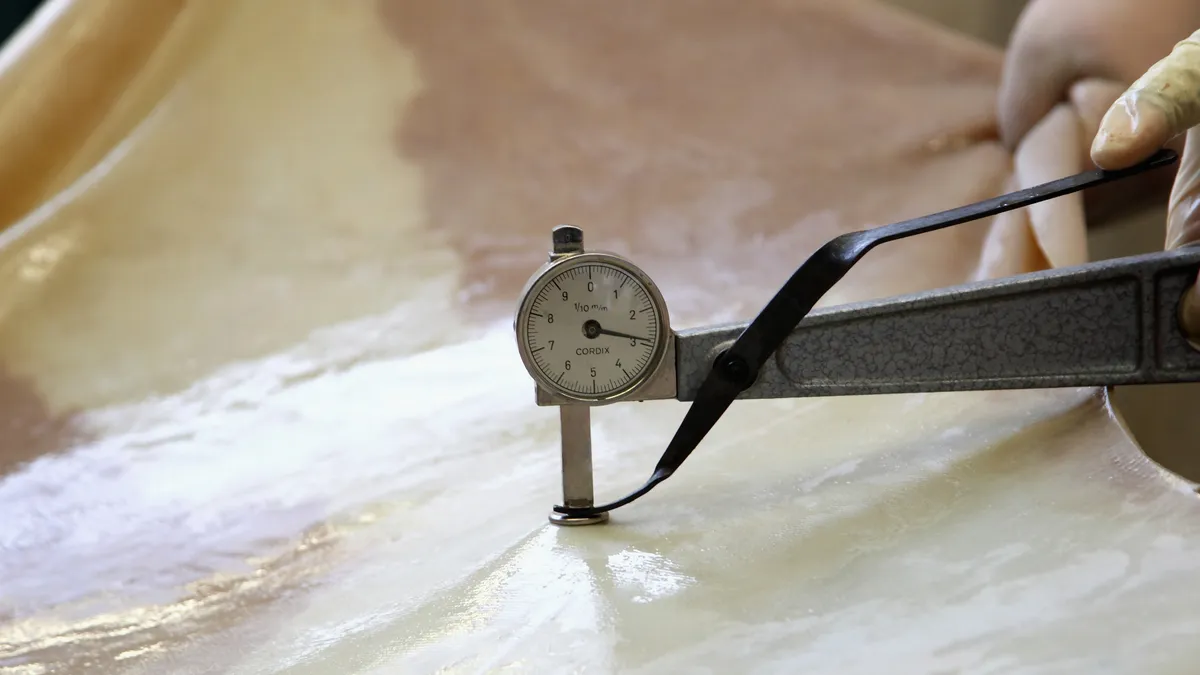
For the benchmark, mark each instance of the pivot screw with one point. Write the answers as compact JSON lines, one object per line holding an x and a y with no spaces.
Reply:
{"x":735,"y":370}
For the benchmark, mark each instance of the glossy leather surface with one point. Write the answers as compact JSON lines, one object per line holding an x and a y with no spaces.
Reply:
{"x":267,"y":413}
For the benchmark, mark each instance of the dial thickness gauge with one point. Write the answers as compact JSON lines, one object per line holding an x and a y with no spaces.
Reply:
{"x":592,"y":327}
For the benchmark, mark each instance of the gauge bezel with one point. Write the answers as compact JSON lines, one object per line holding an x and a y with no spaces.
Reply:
{"x":562,"y":264}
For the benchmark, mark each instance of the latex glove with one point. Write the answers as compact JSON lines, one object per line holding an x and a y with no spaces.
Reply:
{"x":1161,"y":105}
{"x":1086,"y":52}
{"x":1057,"y":44}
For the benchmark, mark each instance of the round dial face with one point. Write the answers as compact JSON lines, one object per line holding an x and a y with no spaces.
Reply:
{"x":592,"y":329}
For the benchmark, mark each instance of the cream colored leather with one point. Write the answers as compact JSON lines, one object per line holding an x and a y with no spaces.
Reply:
{"x":265,"y":413}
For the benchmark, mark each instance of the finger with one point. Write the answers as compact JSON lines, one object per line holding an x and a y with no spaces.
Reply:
{"x":1183,"y":210}
{"x":1047,"y":151}
{"x":1091,"y":98}
{"x":1189,"y":313}
{"x":1059,"y":42}
{"x":1035,"y":76}
{"x":1183,"y":223}
{"x":1158,"y":106}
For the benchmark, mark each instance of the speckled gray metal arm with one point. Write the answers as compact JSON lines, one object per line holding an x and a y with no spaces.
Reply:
{"x":1105,"y":323}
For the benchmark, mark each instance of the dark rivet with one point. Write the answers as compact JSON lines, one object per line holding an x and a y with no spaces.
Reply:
{"x":734,"y":369}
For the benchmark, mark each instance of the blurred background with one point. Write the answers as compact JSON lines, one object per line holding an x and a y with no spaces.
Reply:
{"x":990,"y":20}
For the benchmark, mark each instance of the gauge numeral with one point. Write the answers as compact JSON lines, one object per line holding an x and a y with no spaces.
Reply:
{"x":632,"y":342}
{"x":632,"y":315}
{"x":552,"y":345}
{"x":549,"y":318}
{"x":591,"y":286}
{"x":567,"y":365}
{"x":616,"y":293}
{"x":564,"y":296}
{"x":618,"y":363}
{"x":593,"y":371}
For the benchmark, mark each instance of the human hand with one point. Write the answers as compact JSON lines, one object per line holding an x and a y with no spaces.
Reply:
{"x":1058,"y":44}
{"x":1161,"y":105}
{"x":1086,"y":52}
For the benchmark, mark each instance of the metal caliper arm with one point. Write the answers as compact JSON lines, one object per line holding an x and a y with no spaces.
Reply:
{"x":738,"y":368}
{"x":1104,"y":323}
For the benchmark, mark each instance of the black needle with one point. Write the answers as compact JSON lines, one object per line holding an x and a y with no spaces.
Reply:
{"x":736,"y":369}
{"x":592,"y":329}
{"x":614,"y":333}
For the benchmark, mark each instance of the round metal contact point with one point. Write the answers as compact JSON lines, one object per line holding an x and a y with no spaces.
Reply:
{"x":566,"y":520}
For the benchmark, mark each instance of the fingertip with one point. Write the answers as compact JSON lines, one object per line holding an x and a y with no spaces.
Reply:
{"x":1183,"y":217}
{"x":1130,"y":132}
{"x":1041,"y":61}
{"x":1183,"y":228}
{"x":1189,"y":312}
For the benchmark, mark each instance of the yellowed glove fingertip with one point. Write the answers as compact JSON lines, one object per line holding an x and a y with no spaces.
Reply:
{"x":1189,"y":313}
{"x":1130,"y":131}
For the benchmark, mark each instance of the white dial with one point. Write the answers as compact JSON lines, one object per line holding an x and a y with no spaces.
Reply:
{"x":592,"y":328}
